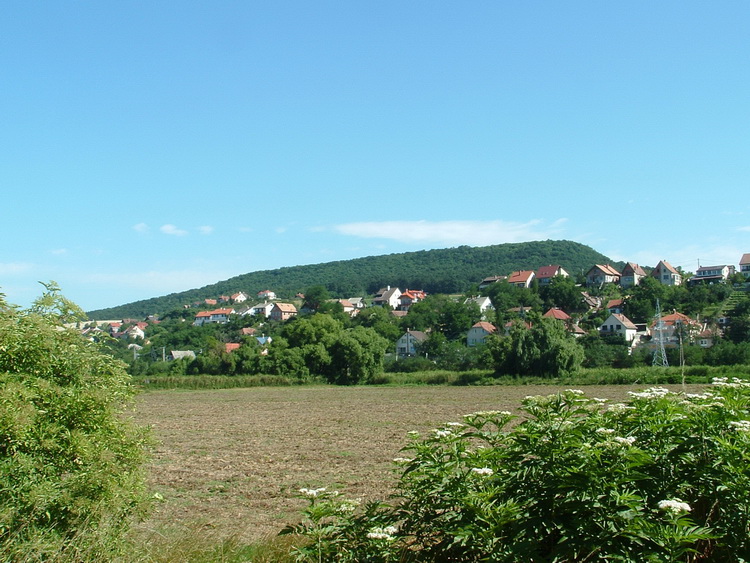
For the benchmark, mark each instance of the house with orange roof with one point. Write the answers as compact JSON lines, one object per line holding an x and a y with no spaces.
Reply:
{"x":675,"y":326}
{"x":631,"y":275}
{"x":667,"y":274}
{"x":545,"y":274}
{"x":216,"y":316}
{"x":266,"y":294}
{"x":478,"y":332}
{"x":615,"y":305}
{"x":600,"y":274}
{"x":409,"y":297}
{"x":522,"y":278}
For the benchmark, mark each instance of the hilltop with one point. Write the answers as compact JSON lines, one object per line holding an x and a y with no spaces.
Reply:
{"x":450,"y":270}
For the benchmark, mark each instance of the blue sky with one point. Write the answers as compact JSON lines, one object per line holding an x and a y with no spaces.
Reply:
{"x":153,"y":147}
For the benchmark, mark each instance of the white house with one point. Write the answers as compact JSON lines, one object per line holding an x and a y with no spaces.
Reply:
{"x":484,"y":303}
{"x":712,"y":274}
{"x":388,"y":296}
{"x":667,"y":274}
{"x":619,"y":324}
{"x":602,"y":273}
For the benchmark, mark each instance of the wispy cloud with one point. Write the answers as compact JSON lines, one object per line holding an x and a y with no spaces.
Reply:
{"x":170,"y":229}
{"x":14,"y":268}
{"x":474,"y":233}
{"x":205,"y":230}
{"x":141,"y":228}
{"x":59,"y":251}
{"x":744,"y":229}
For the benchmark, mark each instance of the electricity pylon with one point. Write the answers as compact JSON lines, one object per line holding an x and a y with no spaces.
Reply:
{"x":660,"y":354}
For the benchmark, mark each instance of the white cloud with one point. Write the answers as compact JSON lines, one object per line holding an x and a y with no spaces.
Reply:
{"x":205,"y":230}
{"x":169,"y":229}
{"x":141,"y":228}
{"x":14,"y":268}
{"x":473,"y":233}
{"x":744,"y":229}
{"x":59,"y":251}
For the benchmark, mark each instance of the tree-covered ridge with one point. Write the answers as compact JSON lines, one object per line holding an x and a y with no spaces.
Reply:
{"x":451,"y":270}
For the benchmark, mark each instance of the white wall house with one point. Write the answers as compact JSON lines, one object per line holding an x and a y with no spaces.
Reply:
{"x":621,"y":325}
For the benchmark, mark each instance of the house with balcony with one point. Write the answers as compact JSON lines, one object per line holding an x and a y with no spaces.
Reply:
{"x":712,"y":274}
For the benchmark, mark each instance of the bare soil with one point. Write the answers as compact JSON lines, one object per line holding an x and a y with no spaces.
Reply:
{"x":232,"y":461}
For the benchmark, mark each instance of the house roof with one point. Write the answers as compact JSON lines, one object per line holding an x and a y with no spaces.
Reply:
{"x":248,"y":331}
{"x":222,"y":311}
{"x":745,"y":259}
{"x":663,"y":264}
{"x":605,"y":269}
{"x":286,"y":307}
{"x":612,"y":303}
{"x":548,"y":271}
{"x":674,"y":318}
{"x":633,"y":269}
{"x":521,"y":276}
{"x":485,"y":326}
{"x":555,"y":313}
{"x":230,"y":346}
{"x":203,"y":314}
{"x":417,"y":334}
{"x":624,"y":321}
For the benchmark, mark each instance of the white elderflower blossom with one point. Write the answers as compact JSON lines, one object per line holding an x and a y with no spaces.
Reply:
{"x":574,"y":391}
{"x":484,"y":471}
{"x":386,"y":533}
{"x":652,"y":393}
{"x":619,"y":407}
{"x":674,"y":506}
{"x":312,"y":493}
{"x":628,"y":441}
{"x":606,"y":431}
{"x":402,"y":459}
{"x":740,"y":425}
{"x":454,"y":424}
{"x":443,"y":433}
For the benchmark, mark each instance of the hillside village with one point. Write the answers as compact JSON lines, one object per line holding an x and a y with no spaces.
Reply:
{"x":669,"y":328}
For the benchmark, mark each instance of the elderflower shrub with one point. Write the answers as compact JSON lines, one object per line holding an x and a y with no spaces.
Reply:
{"x":662,"y":477}
{"x":71,"y":466}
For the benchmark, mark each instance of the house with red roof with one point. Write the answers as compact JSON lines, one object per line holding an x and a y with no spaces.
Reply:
{"x":231,"y":347}
{"x":545,"y":274}
{"x":557,"y":314}
{"x":522,"y":278}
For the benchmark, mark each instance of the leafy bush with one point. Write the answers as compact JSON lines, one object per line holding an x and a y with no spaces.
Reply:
{"x":69,"y":462}
{"x":663,"y":477}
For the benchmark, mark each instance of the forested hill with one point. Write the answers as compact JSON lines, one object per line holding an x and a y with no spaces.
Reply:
{"x":450,"y":270}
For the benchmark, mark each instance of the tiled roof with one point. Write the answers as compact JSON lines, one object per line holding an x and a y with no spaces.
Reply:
{"x":558,"y":314}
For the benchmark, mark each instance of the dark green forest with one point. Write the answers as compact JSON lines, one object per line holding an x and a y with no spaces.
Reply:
{"x":450,"y":270}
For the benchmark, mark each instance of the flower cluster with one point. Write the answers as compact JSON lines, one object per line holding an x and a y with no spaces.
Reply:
{"x":388,"y":533}
{"x":674,"y":506}
{"x":312,"y":493}
{"x":652,"y":393}
{"x":485,"y":471}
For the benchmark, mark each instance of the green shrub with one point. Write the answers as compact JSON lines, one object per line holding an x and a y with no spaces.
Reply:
{"x":70,"y":461}
{"x":663,"y":477}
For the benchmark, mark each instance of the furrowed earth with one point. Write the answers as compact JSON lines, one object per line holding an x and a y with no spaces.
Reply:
{"x":231,"y":462}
